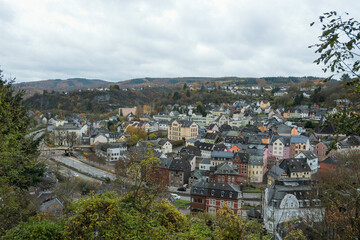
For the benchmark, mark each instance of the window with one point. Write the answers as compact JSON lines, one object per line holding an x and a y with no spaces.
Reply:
{"x":212,"y":192}
{"x":230,"y":204}
{"x":197,"y":200}
{"x":221,"y":203}
{"x":222,"y":193}
{"x":230,"y":195}
{"x":212,"y":202}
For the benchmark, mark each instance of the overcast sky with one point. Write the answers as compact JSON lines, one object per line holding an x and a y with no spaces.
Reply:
{"x":122,"y":39}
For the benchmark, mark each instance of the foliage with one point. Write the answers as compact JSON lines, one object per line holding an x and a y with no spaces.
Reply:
{"x":339,"y":50}
{"x":19,"y":168}
{"x":309,"y":124}
{"x":228,"y":225}
{"x":341,"y":198}
{"x":36,"y":230}
{"x":295,"y":234}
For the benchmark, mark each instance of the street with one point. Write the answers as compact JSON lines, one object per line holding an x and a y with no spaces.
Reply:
{"x":82,"y":167}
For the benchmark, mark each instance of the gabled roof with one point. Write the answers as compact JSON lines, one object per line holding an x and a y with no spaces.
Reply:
{"x":216,"y":190}
{"x":298,"y":139}
{"x":222,"y":154}
{"x":180,"y":165}
{"x":226,"y":168}
{"x":276,"y":172}
{"x":205,"y":146}
{"x":309,"y":155}
{"x":284,"y":139}
{"x":165,"y":163}
{"x":219,"y":147}
{"x":295,"y":165}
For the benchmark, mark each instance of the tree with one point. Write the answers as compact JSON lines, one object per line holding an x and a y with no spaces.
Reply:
{"x":19,"y":168}
{"x":339,"y":50}
{"x":339,"y":46}
{"x":339,"y":195}
{"x":34,"y":230}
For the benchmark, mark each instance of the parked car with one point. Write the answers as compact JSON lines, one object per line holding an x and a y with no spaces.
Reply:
{"x":175,"y":196}
{"x":182,"y":189}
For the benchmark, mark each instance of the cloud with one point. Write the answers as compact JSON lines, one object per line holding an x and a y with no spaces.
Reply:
{"x":119,"y":40}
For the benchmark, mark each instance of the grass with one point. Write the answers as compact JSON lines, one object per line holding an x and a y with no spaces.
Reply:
{"x":253,"y":190}
{"x":181,"y":203}
{"x":246,"y":207}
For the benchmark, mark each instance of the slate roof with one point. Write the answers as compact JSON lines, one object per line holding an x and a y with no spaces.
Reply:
{"x":205,"y":161}
{"x":243,"y":157}
{"x":216,"y":190}
{"x":212,"y":136}
{"x":298,"y":139}
{"x":219,"y":147}
{"x":205,"y":146}
{"x":276,"y":172}
{"x":190,"y":150}
{"x":256,"y":160}
{"x":179,"y":165}
{"x":226,"y":168}
{"x":184,"y":123}
{"x":106,"y":146}
{"x":222,"y":154}
{"x":295,"y":165}
{"x":165,"y":163}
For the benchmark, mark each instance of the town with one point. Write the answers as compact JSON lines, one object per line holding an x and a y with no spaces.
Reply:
{"x":256,"y":158}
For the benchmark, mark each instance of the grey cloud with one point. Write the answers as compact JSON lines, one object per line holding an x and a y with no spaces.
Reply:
{"x":118,"y":40}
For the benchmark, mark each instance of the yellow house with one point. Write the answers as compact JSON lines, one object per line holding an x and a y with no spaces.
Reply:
{"x":256,"y":169}
{"x":182,"y":129}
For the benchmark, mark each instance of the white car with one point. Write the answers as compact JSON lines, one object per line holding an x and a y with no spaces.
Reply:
{"x":175,"y":196}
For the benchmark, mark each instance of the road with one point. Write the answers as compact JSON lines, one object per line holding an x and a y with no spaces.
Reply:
{"x":82,"y":167}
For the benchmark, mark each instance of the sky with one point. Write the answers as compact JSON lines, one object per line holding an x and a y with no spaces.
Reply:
{"x":117,"y":40}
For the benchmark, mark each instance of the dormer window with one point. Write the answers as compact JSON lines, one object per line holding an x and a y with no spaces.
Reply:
{"x":222,"y":193}
{"x":212,"y":192}
{"x":230,"y":194}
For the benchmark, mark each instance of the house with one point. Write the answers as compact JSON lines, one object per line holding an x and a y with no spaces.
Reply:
{"x":210,"y":197}
{"x":191,"y":159}
{"x":224,"y":173}
{"x":98,"y":138}
{"x":163,"y":125}
{"x":213,"y":128}
{"x":111,"y":151}
{"x":274,"y":174}
{"x":279,"y":147}
{"x":67,"y":135}
{"x":179,"y":172}
{"x":241,"y":160}
{"x":329,"y":164}
{"x":211,"y":138}
{"x":219,"y":157}
{"x":296,"y":168}
{"x":182,"y":129}
{"x":162,"y":172}
{"x":298,"y":143}
{"x":205,"y":164}
{"x":311,"y":159}
{"x":222,"y":120}
{"x":257,"y":165}
{"x":321,"y":148}
{"x":205,"y":148}
{"x":289,"y":200}
{"x":219,"y":147}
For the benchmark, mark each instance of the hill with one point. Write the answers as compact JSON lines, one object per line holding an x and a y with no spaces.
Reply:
{"x":59,"y":85}
{"x":168,"y":82}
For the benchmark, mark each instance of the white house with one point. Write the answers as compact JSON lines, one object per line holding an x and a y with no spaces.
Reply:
{"x":111,"y":151}
{"x":289,"y":200}
{"x":311,"y":159}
